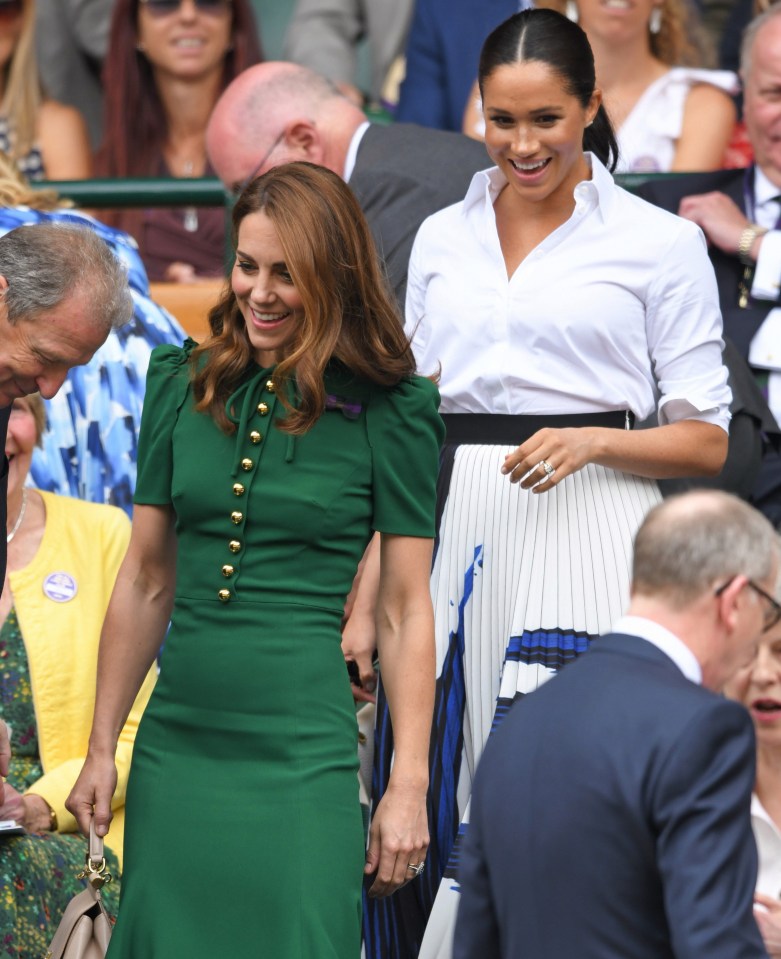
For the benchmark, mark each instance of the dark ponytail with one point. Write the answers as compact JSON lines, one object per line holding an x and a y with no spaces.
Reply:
{"x":548,"y":37}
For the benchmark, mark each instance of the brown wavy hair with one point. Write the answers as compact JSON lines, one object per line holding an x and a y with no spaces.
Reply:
{"x":349,"y":313}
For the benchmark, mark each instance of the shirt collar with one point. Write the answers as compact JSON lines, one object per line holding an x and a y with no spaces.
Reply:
{"x":597,"y":192}
{"x":764,"y":189}
{"x":665,"y":641}
{"x":352,"y":151}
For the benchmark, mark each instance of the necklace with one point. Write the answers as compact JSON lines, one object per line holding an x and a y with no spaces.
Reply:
{"x":190,"y":213}
{"x":19,"y":518}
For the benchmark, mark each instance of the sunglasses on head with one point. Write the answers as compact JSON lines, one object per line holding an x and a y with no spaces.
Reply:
{"x":164,"y":8}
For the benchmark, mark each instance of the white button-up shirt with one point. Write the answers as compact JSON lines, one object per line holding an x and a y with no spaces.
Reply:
{"x":616,"y":309}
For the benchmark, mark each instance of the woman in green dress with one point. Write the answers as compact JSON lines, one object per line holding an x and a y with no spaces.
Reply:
{"x":267,"y":457}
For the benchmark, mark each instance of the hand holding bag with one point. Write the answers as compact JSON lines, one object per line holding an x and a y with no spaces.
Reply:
{"x":85,"y":928}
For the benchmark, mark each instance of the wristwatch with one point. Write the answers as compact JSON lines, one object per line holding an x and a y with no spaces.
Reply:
{"x":746,"y":242}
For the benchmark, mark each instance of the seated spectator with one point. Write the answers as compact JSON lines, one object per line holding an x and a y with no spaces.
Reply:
{"x":63,"y":557}
{"x":89,"y":442}
{"x":668,"y":116}
{"x":739,"y":213}
{"x":324,"y":36}
{"x":171,"y":61}
{"x":278,"y":112}
{"x":44,"y":138}
{"x":758,"y":686}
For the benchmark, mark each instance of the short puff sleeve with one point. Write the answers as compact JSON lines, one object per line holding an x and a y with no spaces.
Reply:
{"x":167,"y":382}
{"x":406,"y":434}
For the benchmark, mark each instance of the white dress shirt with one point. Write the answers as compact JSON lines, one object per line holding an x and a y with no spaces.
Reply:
{"x":665,"y":641}
{"x":768,"y":839}
{"x":765,"y":348}
{"x":616,"y":309}
{"x":352,"y":151}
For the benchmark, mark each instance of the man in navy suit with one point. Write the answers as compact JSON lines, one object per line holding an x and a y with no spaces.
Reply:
{"x":610,"y":812}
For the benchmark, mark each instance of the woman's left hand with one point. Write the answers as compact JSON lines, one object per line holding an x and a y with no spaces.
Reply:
{"x":769,"y":921}
{"x":398,"y":837}
{"x":565,"y":451}
{"x":28,"y":811}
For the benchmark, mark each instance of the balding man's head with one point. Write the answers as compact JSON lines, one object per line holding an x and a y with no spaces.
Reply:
{"x":274,"y":113}
{"x":690,"y":542}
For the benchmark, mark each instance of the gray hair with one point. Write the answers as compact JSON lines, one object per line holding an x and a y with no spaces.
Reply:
{"x":750,"y":35}
{"x":45,"y":263}
{"x":696,"y":541}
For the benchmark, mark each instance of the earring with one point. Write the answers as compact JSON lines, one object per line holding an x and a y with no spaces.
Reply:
{"x":140,"y":47}
{"x":655,"y":20}
{"x":571,"y":11}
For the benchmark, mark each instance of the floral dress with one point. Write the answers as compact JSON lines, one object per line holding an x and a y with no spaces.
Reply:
{"x":37,"y":872}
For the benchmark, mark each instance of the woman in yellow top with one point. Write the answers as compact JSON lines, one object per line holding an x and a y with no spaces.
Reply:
{"x":63,"y":556}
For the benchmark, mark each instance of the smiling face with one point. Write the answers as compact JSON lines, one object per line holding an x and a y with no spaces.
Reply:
{"x":188,"y":42}
{"x":758,"y":687}
{"x":267,"y":297}
{"x":762,"y":99}
{"x":534,"y":131}
{"x":615,"y":21}
{"x":36,"y":354}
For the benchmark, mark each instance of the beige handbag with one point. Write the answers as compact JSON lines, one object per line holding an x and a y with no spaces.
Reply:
{"x":85,"y":928}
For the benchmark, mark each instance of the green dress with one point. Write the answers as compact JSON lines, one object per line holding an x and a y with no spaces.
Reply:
{"x":243,"y":834}
{"x":37,"y":872}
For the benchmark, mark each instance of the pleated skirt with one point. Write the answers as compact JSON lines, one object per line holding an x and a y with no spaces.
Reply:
{"x":522,"y":583}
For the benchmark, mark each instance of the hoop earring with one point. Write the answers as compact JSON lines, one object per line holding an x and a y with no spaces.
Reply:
{"x":571,"y":11}
{"x":655,"y":20}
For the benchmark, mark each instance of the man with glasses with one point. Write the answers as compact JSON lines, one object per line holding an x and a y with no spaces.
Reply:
{"x":277,"y":112}
{"x":611,"y":810}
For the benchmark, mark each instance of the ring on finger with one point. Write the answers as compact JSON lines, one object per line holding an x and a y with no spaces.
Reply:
{"x":416,"y":867}
{"x":549,"y":470}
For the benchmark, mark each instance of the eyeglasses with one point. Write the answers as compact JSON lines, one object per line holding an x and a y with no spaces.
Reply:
{"x":164,"y":8}
{"x":240,"y":187}
{"x":773,"y":609}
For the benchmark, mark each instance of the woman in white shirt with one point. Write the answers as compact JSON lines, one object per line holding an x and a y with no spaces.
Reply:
{"x":557,"y":308}
{"x":669,"y":113}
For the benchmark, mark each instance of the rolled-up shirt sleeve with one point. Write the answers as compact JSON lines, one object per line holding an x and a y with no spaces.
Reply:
{"x":685,"y":334}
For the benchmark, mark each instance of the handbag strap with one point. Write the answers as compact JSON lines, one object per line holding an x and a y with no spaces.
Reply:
{"x":95,"y":843}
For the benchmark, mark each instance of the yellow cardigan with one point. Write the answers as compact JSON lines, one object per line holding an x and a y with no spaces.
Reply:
{"x":60,"y":617}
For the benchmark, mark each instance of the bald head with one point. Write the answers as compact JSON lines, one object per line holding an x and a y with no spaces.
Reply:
{"x":275,"y":113}
{"x":690,"y":542}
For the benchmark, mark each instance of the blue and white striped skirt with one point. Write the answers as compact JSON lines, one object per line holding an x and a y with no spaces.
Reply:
{"x":521,"y":584}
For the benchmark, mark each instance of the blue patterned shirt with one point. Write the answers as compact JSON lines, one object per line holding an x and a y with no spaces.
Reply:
{"x":90,"y":443}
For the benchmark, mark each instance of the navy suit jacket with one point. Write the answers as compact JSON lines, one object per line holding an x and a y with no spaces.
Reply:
{"x":443,"y":50}
{"x":404,"y":173}
{"x":610,"y":819}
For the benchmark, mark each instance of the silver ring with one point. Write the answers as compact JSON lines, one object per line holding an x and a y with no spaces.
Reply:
{"x":549,"y":470}
{"x":416,"y":867}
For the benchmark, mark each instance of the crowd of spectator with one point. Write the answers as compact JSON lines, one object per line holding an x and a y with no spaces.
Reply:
{"x":517,"y":310}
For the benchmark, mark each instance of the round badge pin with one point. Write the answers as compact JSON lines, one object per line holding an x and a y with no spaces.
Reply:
{"x":60,"y":587}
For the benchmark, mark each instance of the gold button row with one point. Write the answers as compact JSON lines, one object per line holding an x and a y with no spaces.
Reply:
{"x":239,"y":489}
